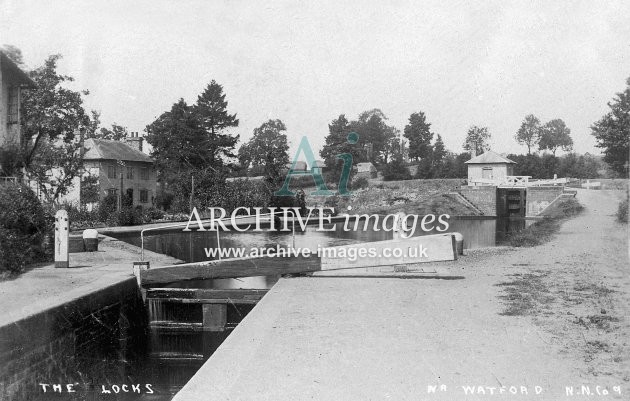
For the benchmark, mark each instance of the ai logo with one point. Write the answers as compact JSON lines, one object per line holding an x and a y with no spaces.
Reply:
{"x":305,"y":148}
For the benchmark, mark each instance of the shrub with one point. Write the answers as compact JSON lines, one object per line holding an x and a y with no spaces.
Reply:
{"x":107,"y":206}
{"x":23,"y":227}
{"x":396,"y":170}
{"x":622,"y":211}
{"x":360,"y":183}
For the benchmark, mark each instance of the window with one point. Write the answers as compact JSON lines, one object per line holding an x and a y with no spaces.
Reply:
{"x":144,"y":173}
{"x":486,"y":172}
{"x":130,"y":173}
{"x":111,"y":171}
{"x":144,"y":196}
{"x":111,"y":191}
{"x":13,"y":105}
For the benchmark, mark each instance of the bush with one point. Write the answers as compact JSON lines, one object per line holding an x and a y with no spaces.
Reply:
{"x":622,"y":212}
{"x":395,"y":171}
{"x":23,"y":227}
{"x":360,"y":183}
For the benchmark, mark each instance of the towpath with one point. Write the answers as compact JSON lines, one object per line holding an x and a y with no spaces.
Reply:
{"x":390,"y":339}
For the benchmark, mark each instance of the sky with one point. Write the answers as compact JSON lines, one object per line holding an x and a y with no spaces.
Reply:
{"x":462,"y":63}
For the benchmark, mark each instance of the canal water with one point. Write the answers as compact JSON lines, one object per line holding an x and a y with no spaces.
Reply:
{"x":169,"y":371}
{"x":191,"y":246}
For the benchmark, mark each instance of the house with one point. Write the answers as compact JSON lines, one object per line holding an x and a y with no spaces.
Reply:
{"x":121,"y":165}
{"x":366,"y":170}
{"x":318,"y":166}
{"x":12,"y":81}
{"x":489,"y":166}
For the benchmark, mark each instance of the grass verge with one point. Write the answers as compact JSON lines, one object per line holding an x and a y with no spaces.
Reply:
{"x":543,"y":230}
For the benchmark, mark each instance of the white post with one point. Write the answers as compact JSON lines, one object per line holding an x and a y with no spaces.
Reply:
{"x":62,"y":234}
{"x":398,"y":225}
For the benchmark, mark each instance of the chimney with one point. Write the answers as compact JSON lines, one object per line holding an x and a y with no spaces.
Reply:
{"x":135,"y":141}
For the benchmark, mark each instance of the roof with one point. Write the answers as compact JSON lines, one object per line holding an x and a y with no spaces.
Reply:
{"x":13,"y":71}
{"x":101,"y":149}
{"x":490,"y":157}
{"x":299,"y":165}
{"x":365,"y":167}
{"x":319,"y":163}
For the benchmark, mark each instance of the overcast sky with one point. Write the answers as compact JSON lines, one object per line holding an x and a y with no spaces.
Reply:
{"x":305,"y":63}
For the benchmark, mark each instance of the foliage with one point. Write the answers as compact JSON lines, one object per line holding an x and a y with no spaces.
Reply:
{"x":545,"y":166}
{"x":360,"y":183}
{"x":55,"y":167}
{"x":23,"y":227}
{"x":622,"y":211}
{"x":107,"y":206}
{"x":89,"y":189}
{"x":418,"y":132}
{"x":555,"y":135}
{"x":396,"y":170}
{"x":336,"y":144}
{"x":529,"y":132}
{"x":612,"y":132}
{"x":10,"y":160}
{"x":51,"y":111}
{"x":267,"y":149}
{"x":477,"y":139}
{"x":116,"y":133}
{"x":193,"y":138}
{"x":543,"y":230}
{"x":375,"y":135}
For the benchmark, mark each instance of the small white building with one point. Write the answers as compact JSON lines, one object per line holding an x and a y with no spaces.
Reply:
{"x":487,"y":167}
{"x":366,"y":170}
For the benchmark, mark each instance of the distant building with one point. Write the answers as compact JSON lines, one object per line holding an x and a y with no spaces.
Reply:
{"x":489,"y":166}
{"x":12,"y":81}
{"x":318,"y":166}
{"x":366,"y":170}
{"x":107,"y":160}
{"x":299,"y":166}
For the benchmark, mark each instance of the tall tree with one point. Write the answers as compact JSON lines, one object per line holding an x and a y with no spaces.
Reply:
{"x":194,"y":137}
{"x":477,"y":139}
{"x":529,"y":132}
{"x":336,"y":144}
{"x":267,"y":149}
{"x":418,"y":132}
{"x":375,"y":135}
{"x":612,"y":132}
{"x":555,"y":135}
{"x":211,"y":109}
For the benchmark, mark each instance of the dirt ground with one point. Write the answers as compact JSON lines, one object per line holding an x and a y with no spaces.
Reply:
{"x":575,"y":288}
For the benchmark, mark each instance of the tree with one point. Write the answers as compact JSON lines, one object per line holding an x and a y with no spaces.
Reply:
{"x":555,"y":135}
{"x":211,"y":109}
{"x":375,"y":135}
{"x":437,"y":157}
{"x":612,"y":132}
{"x":53,"y":120}
{"x":337,"y":143}
{"x":13,"y":53}
{"x":193,"y":137}
{"x":116,"y":133}
{"x":529,"y":132}
{"x":50,"y":111}
{"x":477,"y":139}
{"x":418,"y":132}
{"x":267,"y":149}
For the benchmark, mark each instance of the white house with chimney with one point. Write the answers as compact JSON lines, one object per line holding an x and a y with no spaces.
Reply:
{"x":119,"y":167}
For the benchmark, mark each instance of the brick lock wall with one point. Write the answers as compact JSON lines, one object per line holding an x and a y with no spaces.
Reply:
{"x":483,"y":197}
{"x":65,"y":344}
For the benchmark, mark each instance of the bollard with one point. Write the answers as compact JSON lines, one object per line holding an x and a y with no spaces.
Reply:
{"x":90,"y":240}
{"x":459,"y":242}
{"x":398,"y":225}
{"x":62,"y":234}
